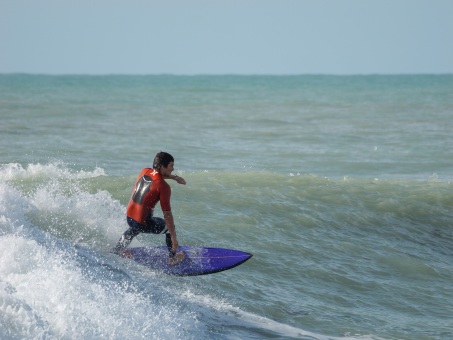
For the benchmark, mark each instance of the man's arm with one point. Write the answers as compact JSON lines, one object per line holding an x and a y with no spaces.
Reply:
{"x":177,"y":178}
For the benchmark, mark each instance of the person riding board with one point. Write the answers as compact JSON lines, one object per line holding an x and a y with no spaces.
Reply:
{"x":150,"y":188}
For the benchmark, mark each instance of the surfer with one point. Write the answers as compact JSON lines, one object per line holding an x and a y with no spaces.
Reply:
{"x":150,"y":188}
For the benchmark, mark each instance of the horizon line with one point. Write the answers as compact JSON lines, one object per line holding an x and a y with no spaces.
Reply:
{"x":224,"y":74}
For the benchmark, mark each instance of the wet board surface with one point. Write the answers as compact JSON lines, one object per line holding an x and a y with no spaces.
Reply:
{"x":197,"y":261}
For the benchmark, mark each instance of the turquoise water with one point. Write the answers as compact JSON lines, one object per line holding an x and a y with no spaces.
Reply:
{"x":341,"y":187}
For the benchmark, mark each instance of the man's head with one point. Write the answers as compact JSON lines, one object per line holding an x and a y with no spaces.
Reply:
{"x":162,"y":159}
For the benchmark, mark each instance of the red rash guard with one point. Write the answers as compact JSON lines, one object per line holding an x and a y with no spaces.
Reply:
{"x":150,"y":188}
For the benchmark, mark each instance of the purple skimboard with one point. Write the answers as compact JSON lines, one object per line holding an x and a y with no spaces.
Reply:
{"x":197,"y":261}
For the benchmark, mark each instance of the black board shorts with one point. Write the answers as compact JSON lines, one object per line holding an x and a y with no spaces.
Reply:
{"x":155,"y":225}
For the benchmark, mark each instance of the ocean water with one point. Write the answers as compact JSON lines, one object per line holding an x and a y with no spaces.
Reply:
{"x":341,"y":187}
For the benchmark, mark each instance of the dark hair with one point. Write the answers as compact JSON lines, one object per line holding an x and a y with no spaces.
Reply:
{"x":162,"y":159}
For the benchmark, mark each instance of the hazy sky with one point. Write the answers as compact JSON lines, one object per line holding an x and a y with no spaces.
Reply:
{"x":226,"y":36}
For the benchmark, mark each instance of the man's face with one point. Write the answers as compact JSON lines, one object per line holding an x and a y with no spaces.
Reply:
{"x":166,"y":171}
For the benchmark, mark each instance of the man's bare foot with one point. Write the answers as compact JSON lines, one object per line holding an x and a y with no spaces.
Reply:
{"x":177,"y":258}
{"x":126,"y":253}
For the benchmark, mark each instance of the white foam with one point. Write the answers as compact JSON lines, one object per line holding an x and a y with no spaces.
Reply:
{"x":54,"y":199}
{"x":47,"y":289}
{"x":56,"y":169}
{"x":81,"y":215}
{"x":46,"y":292}
{"x":12,"y":207}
